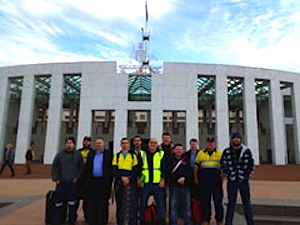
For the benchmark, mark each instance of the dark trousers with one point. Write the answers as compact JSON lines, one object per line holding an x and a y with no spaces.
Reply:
{"x":10,"y":167}
{"x":66,"y":193}
{"x":232,"y":189}
{"x":97,"y":202}
{"x":159,"y":197}
{"x":208,"y":191}
{"x":180,"y":202}
{"x":126,"y":204}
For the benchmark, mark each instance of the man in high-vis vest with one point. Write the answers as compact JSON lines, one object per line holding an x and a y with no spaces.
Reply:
{"x":125,"y":171}
{"x":153,"y":179}
{"x":209,"y":180}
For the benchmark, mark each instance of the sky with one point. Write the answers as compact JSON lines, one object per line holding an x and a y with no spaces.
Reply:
{"x":255,"y":33}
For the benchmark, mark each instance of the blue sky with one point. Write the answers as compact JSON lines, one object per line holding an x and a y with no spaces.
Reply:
{"x":256,"y":33}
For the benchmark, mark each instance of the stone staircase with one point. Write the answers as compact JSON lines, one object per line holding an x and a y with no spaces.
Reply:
{"x":273,"y":212}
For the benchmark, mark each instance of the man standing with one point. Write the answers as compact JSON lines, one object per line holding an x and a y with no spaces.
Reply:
{"x":196,"y":215}
{"x":209,"y":179}
{"x":153,"y":179}
{"x":190,"y":156}
{"x":85,"y":150}
{"x":98,"y":175}
{"x":179,"y":185}
{"x":66,"y":170}
{"x":237,"y":166}
{"x":8,"y":159}
{"x":166,"y":146}
{"x":137,"y":148}
{"x":125,"y":170}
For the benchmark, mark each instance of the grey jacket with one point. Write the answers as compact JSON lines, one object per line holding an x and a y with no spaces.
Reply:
{"x":66,"y":166}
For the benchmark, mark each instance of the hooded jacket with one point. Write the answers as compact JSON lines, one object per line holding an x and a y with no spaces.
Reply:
{"x":237,"y":169}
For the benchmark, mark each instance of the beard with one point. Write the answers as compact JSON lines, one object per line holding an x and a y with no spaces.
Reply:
{"x":236,"y":144}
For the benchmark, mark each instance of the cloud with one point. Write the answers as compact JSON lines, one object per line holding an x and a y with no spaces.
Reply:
{"x":37,"y":30}
{"x":260,"y":34}
{"x":261,"y":38}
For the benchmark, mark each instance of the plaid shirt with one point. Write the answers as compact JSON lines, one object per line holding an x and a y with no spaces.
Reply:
{"x":237,"y":169}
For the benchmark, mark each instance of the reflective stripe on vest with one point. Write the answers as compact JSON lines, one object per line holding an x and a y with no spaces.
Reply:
{"x":156,"y":166}
{"x":207,"y":161}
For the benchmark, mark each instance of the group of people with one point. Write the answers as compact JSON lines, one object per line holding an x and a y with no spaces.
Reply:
{"x":9,"y":157}
{"x":165,"y":171}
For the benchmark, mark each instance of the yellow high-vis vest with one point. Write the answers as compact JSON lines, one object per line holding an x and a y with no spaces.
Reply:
{"x":204,"y":160}
{"x":158,"y":155}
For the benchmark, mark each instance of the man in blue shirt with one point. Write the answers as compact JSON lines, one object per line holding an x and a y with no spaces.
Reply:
{"x":98,"y":172}
{"x":190,"y":155}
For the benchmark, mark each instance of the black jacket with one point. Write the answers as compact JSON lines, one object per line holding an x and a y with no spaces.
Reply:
{"x":184,"y":170}
{"x":107,"y":170}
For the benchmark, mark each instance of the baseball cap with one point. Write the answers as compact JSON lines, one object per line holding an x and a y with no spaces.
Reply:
{"x":210,"y":139}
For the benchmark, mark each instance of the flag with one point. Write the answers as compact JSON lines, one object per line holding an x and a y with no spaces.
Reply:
{"x":178,"y":164}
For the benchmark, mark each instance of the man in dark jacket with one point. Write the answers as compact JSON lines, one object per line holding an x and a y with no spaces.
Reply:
{"x":8,"y":159}
{"x":66,"y":170}
{"x":237,"y":166}
{"x":190,"y":156}
{"x":84,"y":151}
{"x":167,"y":147}
{"x":98,"y":175}
{"x":179,"y":184}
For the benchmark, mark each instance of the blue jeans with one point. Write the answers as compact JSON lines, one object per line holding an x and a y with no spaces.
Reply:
{"x":159,"y":197}
{"x":180,"y":200}
{"x":232,"y":189}
{"x":66,"y":193}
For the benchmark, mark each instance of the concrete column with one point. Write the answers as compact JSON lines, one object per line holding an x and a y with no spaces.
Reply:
{"x":25,"y":118}
{"x":222,"y":123}
{"x":121,"y":118}
{"x":192,"y":130}
{"x":250,"y":118}
{"x":156,"y":124}
{"x":4,"y":103}
{"x":84,"y":123}
{"x":296,"y":118}
{"x":278,"y":137}
{"x":54,"y":118}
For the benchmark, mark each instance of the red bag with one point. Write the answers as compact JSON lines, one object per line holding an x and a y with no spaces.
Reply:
{"x":151,"y":216}
{"x":196,"y":213}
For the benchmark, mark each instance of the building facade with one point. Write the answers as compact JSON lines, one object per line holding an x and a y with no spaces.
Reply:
{"x":45,"y":103}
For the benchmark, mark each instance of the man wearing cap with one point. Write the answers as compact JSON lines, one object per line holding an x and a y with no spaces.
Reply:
{"x":209,"y":179}
{"x":86,"y":148}
{"x":237,"y":166}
